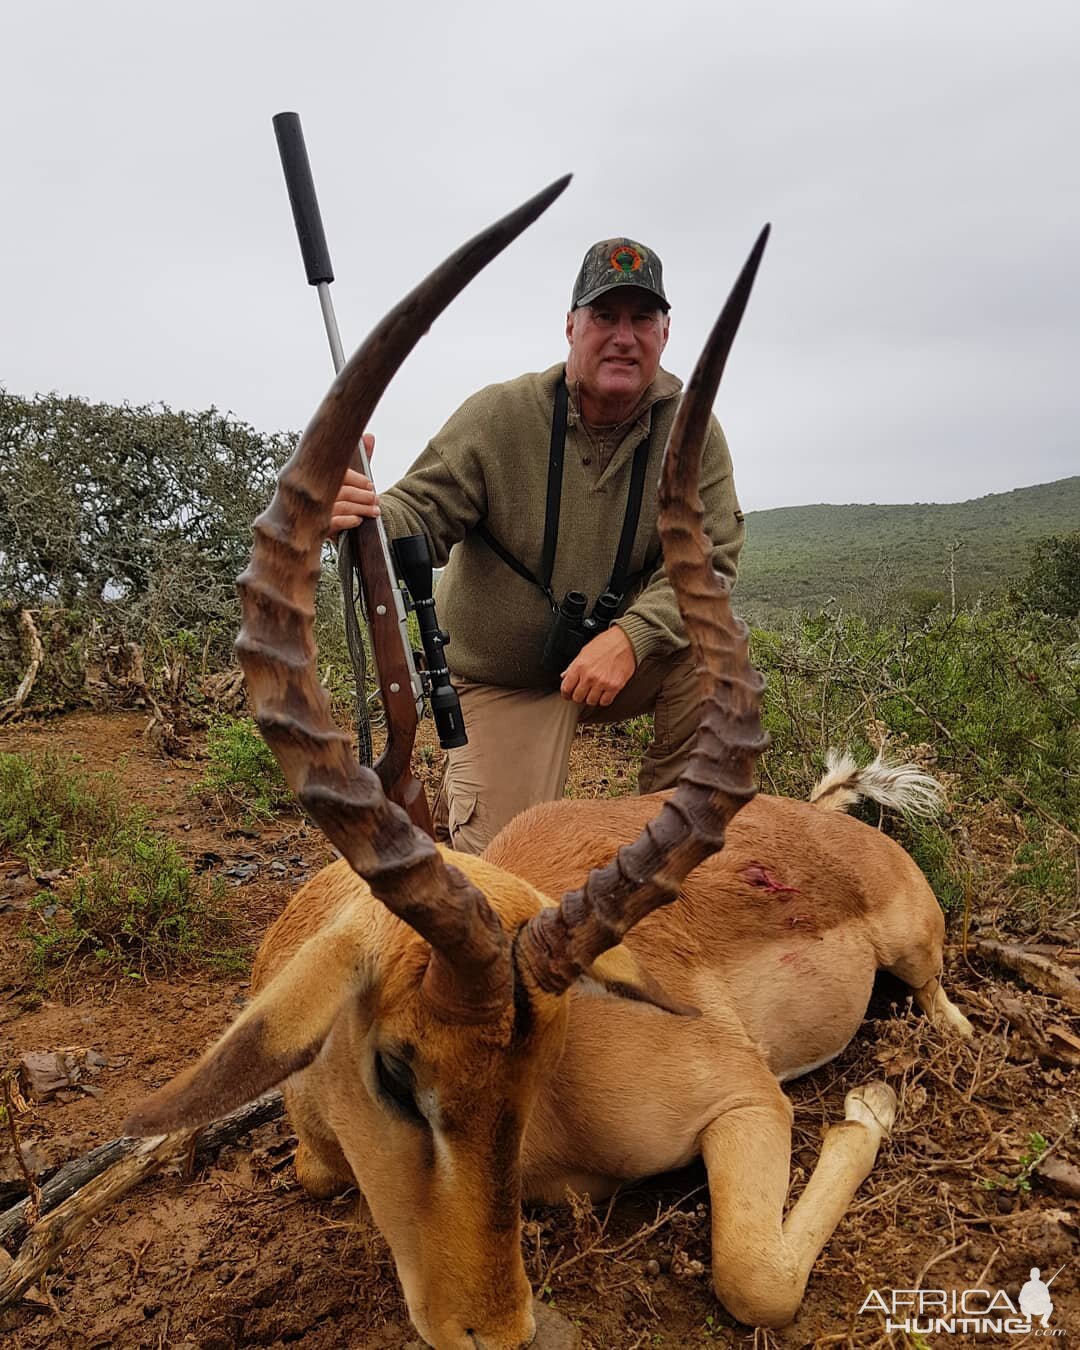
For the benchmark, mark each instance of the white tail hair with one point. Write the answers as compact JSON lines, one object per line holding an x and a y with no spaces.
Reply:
{"x":902,"y":787}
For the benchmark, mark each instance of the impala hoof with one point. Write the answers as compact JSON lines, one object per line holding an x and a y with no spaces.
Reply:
{"x":320,"y":1182}
{"x":873,"y":1105}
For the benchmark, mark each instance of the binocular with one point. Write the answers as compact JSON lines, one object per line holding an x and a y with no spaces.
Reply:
{"x":571,"y":627}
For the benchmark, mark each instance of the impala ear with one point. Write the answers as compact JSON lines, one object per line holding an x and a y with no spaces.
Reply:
{"x":278,"y":1034}
{"x":622,"y":974}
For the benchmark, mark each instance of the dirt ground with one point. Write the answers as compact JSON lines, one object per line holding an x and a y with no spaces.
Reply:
{"x":237,"y":1255}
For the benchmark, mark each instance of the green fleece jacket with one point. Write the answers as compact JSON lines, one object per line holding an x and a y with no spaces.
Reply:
{"x":489,"y":464}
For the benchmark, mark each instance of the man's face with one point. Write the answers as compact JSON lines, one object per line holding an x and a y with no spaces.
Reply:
{"x":615,"y":346}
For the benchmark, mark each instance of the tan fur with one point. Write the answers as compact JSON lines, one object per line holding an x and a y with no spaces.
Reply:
{"x":761,"y":964}
{"x":769,"y":957}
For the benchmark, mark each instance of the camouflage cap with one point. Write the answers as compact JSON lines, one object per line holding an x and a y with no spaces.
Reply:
{"x":618,"y":262}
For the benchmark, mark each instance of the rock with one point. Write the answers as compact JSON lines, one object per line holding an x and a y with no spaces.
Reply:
{"x":1061,"y":1176}
{"x":42,"y":1074}
{"x":1052,"y":1234}
{"x":60,"y":1074}
{"x":16,"y":892}
{"x":553,"y":1330}
{"x":10,"y":1169}
{"x":241,"y":872}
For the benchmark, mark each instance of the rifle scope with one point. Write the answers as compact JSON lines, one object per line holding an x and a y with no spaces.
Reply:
{"x":414,"y":566}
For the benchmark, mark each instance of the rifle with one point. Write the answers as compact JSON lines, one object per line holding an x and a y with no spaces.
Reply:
{"x":364,"y":549}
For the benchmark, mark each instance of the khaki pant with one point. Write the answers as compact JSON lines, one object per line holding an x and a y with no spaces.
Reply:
{"x":519,"y":746}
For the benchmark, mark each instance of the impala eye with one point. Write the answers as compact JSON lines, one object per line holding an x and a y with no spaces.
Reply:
{"x":397,"y":1086}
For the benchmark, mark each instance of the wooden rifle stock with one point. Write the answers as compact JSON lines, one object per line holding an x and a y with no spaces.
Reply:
{"x":394,"y":765}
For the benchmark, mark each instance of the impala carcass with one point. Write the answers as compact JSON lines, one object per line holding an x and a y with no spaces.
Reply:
{"x":454,"y":1038}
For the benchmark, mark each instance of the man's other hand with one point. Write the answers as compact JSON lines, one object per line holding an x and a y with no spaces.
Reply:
{"x":600,"y":669}
{"x":356,"y":497}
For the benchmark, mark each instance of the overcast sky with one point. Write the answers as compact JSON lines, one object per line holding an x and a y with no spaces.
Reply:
{"x":913,"y":334}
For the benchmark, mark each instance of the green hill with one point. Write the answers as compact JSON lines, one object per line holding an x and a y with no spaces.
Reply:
{"x":800,"y":557}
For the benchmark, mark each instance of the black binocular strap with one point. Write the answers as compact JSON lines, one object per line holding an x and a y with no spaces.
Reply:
{"x":556,"y":457}
{"x":554,"y":484}
{"x":619,"y":576}
{"x":553,"y":507}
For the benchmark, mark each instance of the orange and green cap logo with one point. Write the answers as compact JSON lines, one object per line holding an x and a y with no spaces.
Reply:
{"x":626,"y":258}
{"x":618,"y":262}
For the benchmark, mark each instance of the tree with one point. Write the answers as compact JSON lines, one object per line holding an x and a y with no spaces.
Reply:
{"x":139,"y":510}
{"x":1052,"y":580}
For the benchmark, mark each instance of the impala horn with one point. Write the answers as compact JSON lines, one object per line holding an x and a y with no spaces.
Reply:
{"x":469,"y":975}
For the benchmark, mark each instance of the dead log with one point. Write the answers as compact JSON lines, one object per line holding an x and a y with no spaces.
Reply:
{"x":36,"y":657}
{"x":1034,"y":969}
{"x":66,"y":1183}
{"x":49,"y":1236}
{"x":1053,"y":1044}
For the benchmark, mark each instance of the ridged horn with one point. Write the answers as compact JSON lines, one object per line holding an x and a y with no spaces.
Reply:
{"x":469,"y":976}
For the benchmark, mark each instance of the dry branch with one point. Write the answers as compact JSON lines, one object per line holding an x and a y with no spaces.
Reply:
{"x":51,"y":1235}
{"x":13,"y":1103}
{"x":70,"y":1182}
{"x":1055,"y":1045}
{"x":1035,"y":969}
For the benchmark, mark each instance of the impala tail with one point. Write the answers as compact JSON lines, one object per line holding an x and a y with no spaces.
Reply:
{"x":900,"y":787}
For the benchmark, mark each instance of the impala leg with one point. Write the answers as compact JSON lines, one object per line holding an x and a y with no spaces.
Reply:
{"x":321,"y":1167}
{"x":908,"y":935}
{"x":941,"y":1010}
{"x":747,"y":1154}
{"x":848,"y":1154}
{"x":318,"y":1174}
{"x":761,"y":1261}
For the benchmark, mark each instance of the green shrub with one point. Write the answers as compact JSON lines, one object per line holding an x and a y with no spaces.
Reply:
{"x":989,"y":701}
{"x":1051,"y":583}
{"x":129,"y":899}
{"x":241,"y":770}
{"x":929,"y":844}
{"x":50,"y":809}
{"x":136,"y":910}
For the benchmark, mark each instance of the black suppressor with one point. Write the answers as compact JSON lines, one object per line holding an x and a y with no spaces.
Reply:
{"x":414,"y":564}
{"x":571,"y":627}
